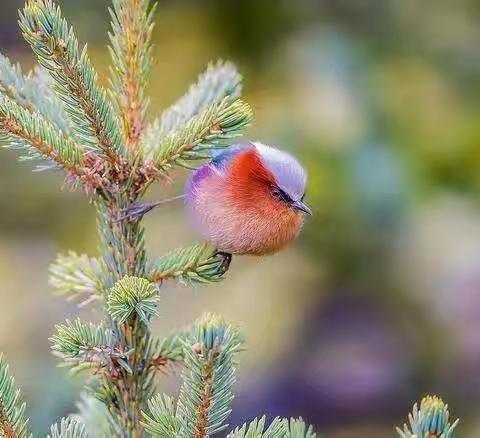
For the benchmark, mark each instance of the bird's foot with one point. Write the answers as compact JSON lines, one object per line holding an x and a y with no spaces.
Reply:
{"x":226,"y":261}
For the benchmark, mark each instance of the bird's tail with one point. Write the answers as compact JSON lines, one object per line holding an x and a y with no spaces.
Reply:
{"x":138,"y":210}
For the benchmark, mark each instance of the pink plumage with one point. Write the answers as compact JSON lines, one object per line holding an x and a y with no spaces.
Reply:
{"x":248,"y":199}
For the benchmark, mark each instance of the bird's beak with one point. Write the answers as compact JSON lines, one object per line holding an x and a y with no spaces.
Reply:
{"x":301,"y":206}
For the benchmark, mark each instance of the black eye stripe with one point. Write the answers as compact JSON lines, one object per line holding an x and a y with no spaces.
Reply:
{"x":281,"y":195}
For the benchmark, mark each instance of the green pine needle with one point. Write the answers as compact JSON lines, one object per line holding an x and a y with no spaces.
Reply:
{"x":432,"y":418}
{"x":130,"y":50}
{"x":171,"y":347}
{"x":58,"y":51}
{"x":13,"y":421}
{"x":159,"y":419}
{"x":33,"y":92}
{"x":37,"y":138}
{"x":209,"y":374}
{"x":256,"y":429}
{"x":279,"y":428}
{"x":84,"y":345}
{"x":197,"y":264}
{"x":220,"y":80}
{"x":214,"y":128}
{"x":132,"y":295}
{"x":68,"y":428}
{"x":77,"y":276}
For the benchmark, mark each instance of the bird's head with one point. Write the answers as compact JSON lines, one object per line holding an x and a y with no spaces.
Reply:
{"x":263,"y":173}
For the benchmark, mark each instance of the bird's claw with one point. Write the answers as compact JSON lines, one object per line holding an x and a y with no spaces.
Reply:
{"x":226,"y":261}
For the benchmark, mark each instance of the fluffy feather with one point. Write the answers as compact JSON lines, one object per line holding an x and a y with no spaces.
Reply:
{"x":231,"y":201}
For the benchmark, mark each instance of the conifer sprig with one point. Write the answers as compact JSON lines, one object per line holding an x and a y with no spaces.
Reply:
{"x":192,"y":265}
{"x":430,"y":418}
{"x":85,"y":345}
{"x":77,"y":276}
{"x":159,"y":419}
{"x":33,"y":92}
{"x":220,"y":80}
{"x":13,"y":420}
{"x":132,"y":295}
{"x":214,"y":128}
{"x":205,"y":398}
{"x":76,"y":82}
{"x":132,"y":26}
{"x":37,"y":138}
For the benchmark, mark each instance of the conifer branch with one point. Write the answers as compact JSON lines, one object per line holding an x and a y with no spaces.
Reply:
{"x":77,"y":277}
{"x":209,"y":373}
{"x":220,"y":80}
{"x":76,"y":82}
{"x":68,"y":428}
{"x":33,"y":92}
{"x":122,"y":241}
{"x":431,"y":418}
{"x":192,"y":265}
{"x":85,"y":345}
{"x":159,"y":419}
{"x":38,"y":138}
{"x":132,"y":295}
{"x":13,"y":421}
{"x":132,"y":26}
{"x":213,"y":129}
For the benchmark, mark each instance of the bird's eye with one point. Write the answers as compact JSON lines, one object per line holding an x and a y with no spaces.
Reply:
{"x":280,"y":195}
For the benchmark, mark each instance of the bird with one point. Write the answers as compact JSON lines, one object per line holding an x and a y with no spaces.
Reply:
{"x":248,"y":200}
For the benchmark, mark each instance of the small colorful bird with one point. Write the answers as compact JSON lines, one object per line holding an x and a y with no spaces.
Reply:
{"x":249,"y":199}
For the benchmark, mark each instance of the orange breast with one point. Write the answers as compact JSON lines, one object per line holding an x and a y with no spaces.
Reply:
{"x":262,"y":223}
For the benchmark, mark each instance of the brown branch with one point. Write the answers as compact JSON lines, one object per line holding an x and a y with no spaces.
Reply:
{"x":205,"y":402}
{"x":13,"y":128}
{"x":5,"y":425}
{"x":77,"y":88}
{"x":160,"y":277}
{"x":133,"y":40}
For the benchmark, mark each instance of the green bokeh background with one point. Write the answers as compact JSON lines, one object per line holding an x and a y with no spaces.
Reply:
{"x":378,"y":302}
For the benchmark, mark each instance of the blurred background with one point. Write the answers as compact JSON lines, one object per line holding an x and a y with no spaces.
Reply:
{"x":378,"y":303}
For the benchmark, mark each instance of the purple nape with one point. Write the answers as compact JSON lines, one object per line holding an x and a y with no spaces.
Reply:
{"x":197,"y":177}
